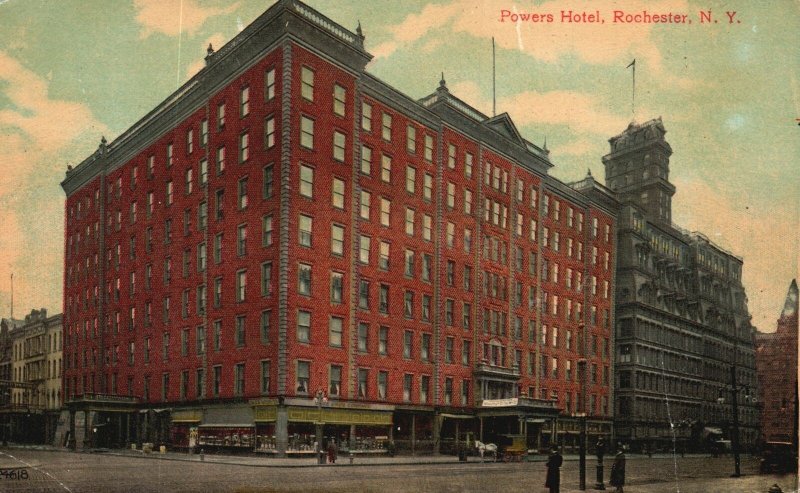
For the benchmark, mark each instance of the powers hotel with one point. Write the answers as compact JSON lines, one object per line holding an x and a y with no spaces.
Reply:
{"x":287,"y":242}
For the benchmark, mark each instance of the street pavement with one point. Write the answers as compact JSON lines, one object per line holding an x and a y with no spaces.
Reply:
{"x":50,"y":470}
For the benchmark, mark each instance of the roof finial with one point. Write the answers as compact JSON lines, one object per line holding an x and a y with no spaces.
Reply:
{"x":209,"y":53}
{"x":588,"y":172}
{"x":359,"y":31}
{"x":442,"y":83}
{"x":545,"y":142}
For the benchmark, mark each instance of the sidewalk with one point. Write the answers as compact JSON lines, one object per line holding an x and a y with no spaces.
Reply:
{"x":342,"y":461}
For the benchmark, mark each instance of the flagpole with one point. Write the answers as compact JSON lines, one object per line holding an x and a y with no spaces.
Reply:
{"x":633,"y":88}
{"x":494,"y":82}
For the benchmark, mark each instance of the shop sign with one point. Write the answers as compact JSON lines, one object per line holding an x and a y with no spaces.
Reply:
{"x":500,"y":402}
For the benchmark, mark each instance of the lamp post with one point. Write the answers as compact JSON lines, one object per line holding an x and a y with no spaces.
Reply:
{"x":582,"y":417}
{"x":318,"y":399}
{"x":735,"y":431}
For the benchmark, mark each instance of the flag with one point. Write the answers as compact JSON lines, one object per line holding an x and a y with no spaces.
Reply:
{"x":632,"y":64}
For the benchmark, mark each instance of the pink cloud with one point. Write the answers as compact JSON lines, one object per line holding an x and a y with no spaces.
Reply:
{"x":38,"y":136}
{"x":173,"y":17}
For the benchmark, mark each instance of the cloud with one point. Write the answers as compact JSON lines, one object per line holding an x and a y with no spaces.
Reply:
{"x":37,"y":136}
{"x":216,"y":41}
{"x":176,"y":16}
{"x":579,"y":111}
{"x":764,"y":236}
{"x":549,"y":41}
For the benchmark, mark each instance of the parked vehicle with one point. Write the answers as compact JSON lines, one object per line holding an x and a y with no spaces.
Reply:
{"x":778,"y":457}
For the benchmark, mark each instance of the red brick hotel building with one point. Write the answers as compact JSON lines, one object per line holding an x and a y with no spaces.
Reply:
{"x":287,"y":242}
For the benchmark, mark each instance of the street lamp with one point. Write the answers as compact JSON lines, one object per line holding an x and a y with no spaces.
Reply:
{"x":319,"y":399}
{"x":735,"y":434}
{"x":582,"y":416}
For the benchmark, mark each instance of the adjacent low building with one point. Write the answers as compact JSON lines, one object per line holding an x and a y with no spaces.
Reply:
{"x":34,"y":387}
{"x":776,"y":360}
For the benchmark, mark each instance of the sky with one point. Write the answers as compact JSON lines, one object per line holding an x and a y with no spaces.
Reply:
{"x":728,"y":93}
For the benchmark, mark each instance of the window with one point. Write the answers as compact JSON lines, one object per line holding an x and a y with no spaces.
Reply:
{"x":409,"y":263}
{"x":335,"y":380}
{"x":268,"y":182}
{"x":408,"y":305}
{"x":383,"y":299}
{"x":307,"y":83}
{"x":448,"y":390}
{"x":339,"y":98}
{"x":242,"y":193}
{"x":241,"y":240}
{"x":366,"y":160}
{"x":407,"y":382}
{"x":429,"y":148}
{"x":184,"y":342}
{"x":220,"y":116}
{"x":306,"y":181}
{"x":169,"y":158}
{"x":218,"y":248}
{"x":238,"y":379}
{"x":269,"y":132}
{"x":386,"y":126}
{"x":407,"y":341}
{"x":337,"y":239}
{"x":265,"y":373}
{"x":425,"y":347}
{"x":451,"y":195}
{"x":424,"y":387}
{"x":386,"y":210}
{"x":366,"y":199}
{"x":217,"y":381}
{"x":304,"y":230}
{"x":266,"y":279}
{"x":335,"y":328}
{"x":306,"y":132}
{"x":201,"y":257}
{"x":266,"y":231}
{"x":409,"y":221}
{"x":363,"y":337}
{"x":337,"y":283}
{"x":427,"y":187}
{"x":338,"y":146}
{"x":383,"y":258}
{"x":200,"y":340}
{"x":244,"y":147}
{"x":451,"y":235}
{"x":220,"y":159}
{"x":386,"y":168}
{"x":240,"y":332}
{"x":363,"y":249}
{"x":337,"y":194}
{"x":164,"y":386}
{"x":465,"y":352}
{"x":217,"y":335}
{"x":383,"y":377}
{"x":383,"y":340}
{"x":266,"y":326}
{"x":269,"y":84}
{"x":241,"y":285}
{"x":304,"y":279}
{"x":244,"y":101}
{"x":448,"y":349}
{"x":168,"y":195}
{"x":468,"y":165}
{"x":303,"y":326}
{"x":217,"y":292}
{"x":366,"y":117}
{"x":201,"y":383}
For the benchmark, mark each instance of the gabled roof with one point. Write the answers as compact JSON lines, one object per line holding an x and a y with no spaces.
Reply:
{"x":502,"y":123}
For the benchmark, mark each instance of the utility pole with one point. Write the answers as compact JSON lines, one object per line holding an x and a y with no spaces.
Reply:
{"x":582,"y":417}
{"x":735,"y":431}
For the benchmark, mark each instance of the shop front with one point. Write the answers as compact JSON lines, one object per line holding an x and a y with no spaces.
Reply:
{"x":361,"y":429}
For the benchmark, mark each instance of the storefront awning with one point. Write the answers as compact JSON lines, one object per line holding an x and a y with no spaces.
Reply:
{"x":535,"y":420}
{"x":226,"y":425}
{"x":711,"y":430}
{"x":457,"y":416}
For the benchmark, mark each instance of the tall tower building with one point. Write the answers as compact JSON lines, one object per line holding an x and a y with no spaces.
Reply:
{"x":682,"y":325}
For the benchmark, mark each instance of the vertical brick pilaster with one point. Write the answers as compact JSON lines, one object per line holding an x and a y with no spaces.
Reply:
{"x":283,"y":239}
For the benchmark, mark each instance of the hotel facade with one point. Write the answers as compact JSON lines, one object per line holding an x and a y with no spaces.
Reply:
{"x":287,"y":243}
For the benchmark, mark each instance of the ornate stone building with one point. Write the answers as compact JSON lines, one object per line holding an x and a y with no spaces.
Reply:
{"x":776,"y":360}
{"x":682,"y":325}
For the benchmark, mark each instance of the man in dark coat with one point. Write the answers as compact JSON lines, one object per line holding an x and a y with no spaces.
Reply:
{"x":618,"y":471}
{"x":554,"y":471}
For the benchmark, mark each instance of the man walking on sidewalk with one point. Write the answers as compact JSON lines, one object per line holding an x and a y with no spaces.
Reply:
{"x":554,"y":462}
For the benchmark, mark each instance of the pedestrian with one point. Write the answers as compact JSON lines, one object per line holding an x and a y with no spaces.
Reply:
{"x":618,"y":472}
{"x":554,"y":470}
{"x":332,"y":451}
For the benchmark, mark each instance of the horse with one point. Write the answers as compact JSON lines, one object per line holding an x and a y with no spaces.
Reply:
{"x":486,"y":447}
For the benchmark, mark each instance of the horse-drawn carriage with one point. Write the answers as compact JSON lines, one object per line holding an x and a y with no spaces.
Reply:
{"x":511,"y":448}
